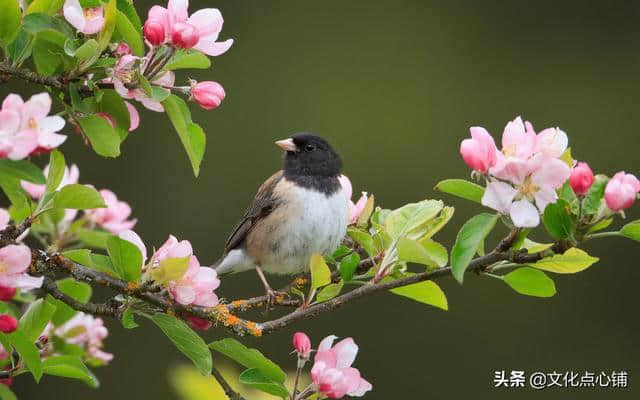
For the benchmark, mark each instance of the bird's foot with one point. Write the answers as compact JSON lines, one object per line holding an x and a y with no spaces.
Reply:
{"x":273,"y":296}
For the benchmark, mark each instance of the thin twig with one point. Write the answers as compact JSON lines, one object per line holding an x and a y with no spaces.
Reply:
{"x":30,"y":76}
{"x":228,"y":390}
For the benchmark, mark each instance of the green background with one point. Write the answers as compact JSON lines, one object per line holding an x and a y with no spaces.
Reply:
{"x":394,"y":85}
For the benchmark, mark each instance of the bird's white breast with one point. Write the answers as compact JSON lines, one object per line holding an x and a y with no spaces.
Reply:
{"x":319,"y":227}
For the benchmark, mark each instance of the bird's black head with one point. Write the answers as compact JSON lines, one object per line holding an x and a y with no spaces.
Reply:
{"x":310,"y":155}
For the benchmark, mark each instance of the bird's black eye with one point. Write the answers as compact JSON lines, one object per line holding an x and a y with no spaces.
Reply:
{"x":309,"y":147}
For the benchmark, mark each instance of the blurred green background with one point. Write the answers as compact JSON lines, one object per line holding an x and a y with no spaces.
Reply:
{"x":394,"y":85}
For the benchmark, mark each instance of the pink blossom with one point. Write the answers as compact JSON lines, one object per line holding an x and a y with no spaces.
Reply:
{"x":88,"y":20}
{"x":208,"y":94}
{"x":206,"y":25}
{"x":14,"y":261}
{"x":332,"y":373}
{"x":198,"y":323}
{"x":125,"y":73}
{"x":479,"y":152}
{"x":36,"y":191}
{"x":86,"y":331}
{"x":154,"y":32}
{"x":355,"y":209}
{"x":621,"y":191}
{"x":122,"y":49}
{"x":302,"y":344}
{"x":8,"y":323}
{"x":4,"y":218}
{"x":581,"y":178}
{"x":113,"y":218}
{"x":196,"y":286}
{"x":134,"y":117}
{"x":184,"y":35}
{"x":171,"y":248}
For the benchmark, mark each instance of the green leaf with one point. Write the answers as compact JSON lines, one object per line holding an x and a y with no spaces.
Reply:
{"x":567,"y":158}
{"x":534,"y":247}
{"x":254,"y":378}
{"x":50,"y":7}
{"x":81,"y":256}
{"x":93,"y":238}
{"x":427,"y":292}
{"x":437,"y":252}
{"x":56,"y":171}
{"x":188,"y":59}
{"x":126,"y":7}
{"x":38,"y":22}
{"x":330,"y":291}
{"x":86,"y":51}
{"x":170,"y":269}
{"x":113,"y":104}
{"x":186,"y":340}
{"x":412,"y":219}
{"x":320,"y":273}
{"x":70,"y":367}
{"x":21,"y":47}
{"x":128,"y":320}
{"x":22,"y":170}
{"x":10,"y":17}
{"x":566,"y":193}
{"x":192,"y":136}
{"x":104,"y":139}
{"x":600,"y":225}
{"x":348,"y":266}
{"x":78,"y":197}
{"x":572,"y":261}
{"x":126,"y":258}
{"x":250,"y":358}
{"x":6,"y":393}
{"x":129,"y":33}
{"x":110,"y":16}
{"x":159,"y":94}
{"x":20,"y":205}
{"x":28,"y":351}
{"x":48,"y":53}
{"x":530,"y":282}
{"x":631,"y":230}
{"x":559,"y":221}
{"x":36,"y":318}
{"x":80,"y":291}
{"x":594,"y":196}
{"x":413,"y":251}
{"x":365,"y":241}
{"x":469,"y":239}
{"x":461,"y":188}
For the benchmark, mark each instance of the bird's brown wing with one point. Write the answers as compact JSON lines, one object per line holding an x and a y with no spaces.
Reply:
{"x":262,"y":205}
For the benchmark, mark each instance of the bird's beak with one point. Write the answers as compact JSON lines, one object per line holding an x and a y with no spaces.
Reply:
{"x":287,"y":145}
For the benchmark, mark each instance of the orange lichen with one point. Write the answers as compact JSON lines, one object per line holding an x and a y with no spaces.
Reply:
{"x":132,"y":287}
{"x":300,"y":281}
{"x":253,"y":329}
{"x":238,"y":304}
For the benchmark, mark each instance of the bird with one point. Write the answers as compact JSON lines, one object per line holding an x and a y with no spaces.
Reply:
{"x":298,"y":211}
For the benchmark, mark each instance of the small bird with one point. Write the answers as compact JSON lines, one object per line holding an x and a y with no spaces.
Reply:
{"x":300,"y":210}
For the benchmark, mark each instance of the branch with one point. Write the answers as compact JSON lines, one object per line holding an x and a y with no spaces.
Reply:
{"x":50,"y":286}
{"x":30,"y":76}
{"x":12,"y":232}
{"x":228,"y":390}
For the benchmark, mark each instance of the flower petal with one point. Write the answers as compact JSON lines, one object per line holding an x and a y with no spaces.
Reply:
{"x":499,"y":196}
{"x":73,"y":14}
{"x":346,"y":351}
{"x":208,"y":22}
{"x":211,"y":47}
{"x":524,"y":214}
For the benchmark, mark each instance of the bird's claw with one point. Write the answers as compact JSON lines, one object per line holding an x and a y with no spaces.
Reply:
{"x":273,"y":296}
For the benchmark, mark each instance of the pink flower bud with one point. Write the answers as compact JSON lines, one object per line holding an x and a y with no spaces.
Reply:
{"x":154,"y":32}
{"x":479,"y":152}
{"x":8,"y":324}
{"x":581,"y":178}
{"x":208,"y":94}
{"x":621,"y":191}
{"x":108,"y":118}
{"x":7,"y":293}
{"x":198,"y":323}
{"x":123,"y":49}
{"x":302,"y":344}
{"x":184,"y":35}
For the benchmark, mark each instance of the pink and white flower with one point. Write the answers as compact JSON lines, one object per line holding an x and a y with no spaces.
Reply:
{"x":621,"y":191}
{"x":88,"y":332}
{"x":125,"y":73}
{"x":196,"y":286}
{"x":480,"y":151}
{"x":113,"y":218}
{"x":204,"y":25}
{"x":89,"y":20}
{"x":14,"y":261}
{"x":355,"y":209}
{"x":332,"y":373}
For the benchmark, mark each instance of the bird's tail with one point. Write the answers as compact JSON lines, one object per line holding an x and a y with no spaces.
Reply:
{"x":234,"y":261}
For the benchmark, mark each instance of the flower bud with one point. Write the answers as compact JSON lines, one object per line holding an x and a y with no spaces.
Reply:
{"x":208,"y":94}
{"x":302,"y":344}
{"x":621,"y":191}
{"x":479,"y":152}
{"x":8,"y":324}
{"x":581,"y":178}
{"x":123,"y":49}
{"x":184,"y":35}
{"x":7,"y":293}
{"x":198,"y":323}
{"x":154,"y":32}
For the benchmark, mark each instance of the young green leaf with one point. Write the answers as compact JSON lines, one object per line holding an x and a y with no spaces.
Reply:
{"x":413,"y":251}
{"x":70,"y":367}
{"x":631,"y":230}
{"x":348,"y":266}
{"x":365,"y":241}
{"x":437,"y":252}
{"x":38,"y":22}
{"x":78,"y":197}
{"x":48,"y":53}
{"x":104,"y":139}
{"x":126,"y":258}
{"x":412,"y":219}
{"x":186,"y":340}
{"x":79,"y":291}
{"x":86,"y":51}
{"x":427,"y":292}
{"x":593,"y":199}
{"x":188,"y":59}
{"x":21,"y":170}
{"x":469,"y":239}
{"x":461,"y":188}
{"x":320,"y":273}
{"x":127,"y":30}
{"x":50,"y":7}
{"x":530,"y":282}
{"x":170,"y":269}
{"x":600,"y":225}
{"x":93,"y":238}
{"x":191,"y":135}
{"x":559,"y":221}
{"x":330,"y":291}
{"x":28,"y":351}
{"x":572,"y":261}
{"x":254,"y":378}
{"x":10,"y":18}
{"x":56,"y":171}
{"x":250,"y":358}
{"x":110,"y":16}
{"x":128,"y":320}
{"x":36,"y":318}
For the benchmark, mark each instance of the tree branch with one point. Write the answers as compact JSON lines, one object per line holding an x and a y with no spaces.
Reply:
{"x":30,"y":76}
{"x":12,"y":232}
{"x":228,"y":390}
